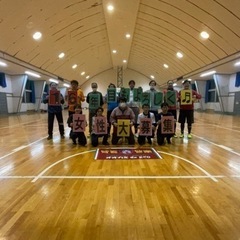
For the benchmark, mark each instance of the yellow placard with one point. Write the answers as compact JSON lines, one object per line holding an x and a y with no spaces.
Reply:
{"x":186,"y":97}
{"x":123,"y":128}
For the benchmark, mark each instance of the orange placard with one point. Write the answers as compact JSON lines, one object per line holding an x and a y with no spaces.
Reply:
{"x":54,"y":97}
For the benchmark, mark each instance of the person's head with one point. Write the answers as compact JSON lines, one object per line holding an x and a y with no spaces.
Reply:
{"x":94,"y":87}
{"x":53,"y":85}
{"x":152,"y":84}
{"x":170,"y":85}
{"x":74,"y":84}
{"x":164,"y":107}
{"x":145,"y":108}
{"x":99,"y":111}
{"x":122,"y":102}
{"x":111,"y":85}
{"x":186,"y":84}
{"x":78,"y":109}
{"x":131,"y":84}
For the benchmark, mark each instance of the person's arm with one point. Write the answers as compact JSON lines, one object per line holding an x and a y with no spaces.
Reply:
{"x":46,"y":99}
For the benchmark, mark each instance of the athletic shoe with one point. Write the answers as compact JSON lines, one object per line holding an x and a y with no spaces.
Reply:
{"x":175,"y":136}
{"x":181,"y":135}
{"x":189,"y":136}
{"x":49,"y":137}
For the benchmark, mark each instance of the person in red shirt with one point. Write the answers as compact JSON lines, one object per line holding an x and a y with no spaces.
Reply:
{"x":187,"y":100}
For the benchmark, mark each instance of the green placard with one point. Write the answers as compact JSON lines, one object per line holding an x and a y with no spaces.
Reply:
{"x":137,"y":94}
{"x":146,"y":98}
{"x":94,"y":101}
{"x":125,"y":92}
{"x":170,"y":98}
{"x":158,"y":99}
{"x":111,"y":95}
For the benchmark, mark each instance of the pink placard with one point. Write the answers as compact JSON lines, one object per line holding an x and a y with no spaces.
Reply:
{"x":79,"y":123}
{"x":100,"y":125}
{"x":145,"y":127}
{"x":167,"y":124}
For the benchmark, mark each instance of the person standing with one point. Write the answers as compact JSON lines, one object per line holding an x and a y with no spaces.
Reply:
{"x":186,"y":97}
{"x":72,"y":101}
{"x":111,"y":105}
{"x":133,"y":104}
{"x":95,"y":100}
{"x":54,"y":109}
{"x":153,"y":108}
{"x":170,"y":97}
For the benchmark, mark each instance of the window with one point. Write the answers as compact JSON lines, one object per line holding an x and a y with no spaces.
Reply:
{"x":211,"y":92}
{"x":29,"y":92}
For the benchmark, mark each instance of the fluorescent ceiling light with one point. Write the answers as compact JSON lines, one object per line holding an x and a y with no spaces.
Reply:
{"x":53,"y":80}
{"x":114,"y":51}
{"x":37,"y":35}
{"x":237,"y":63}
{"x":165,"y":65}
{"x":204,"y":35}
{"x":61,"y":55}
{"x":207,"y":73}
{"x":110,"y":7}
{"x":66,"y":85}
{"x":128,"y":35}
{"x":152,"y":77}
{"x":87,"y":77}
{"x":124,"y":60}
{"x":82,"y":73}
{"x":74,"y":66}
{"x":179,"y":55}
{"x":32,"y":74}
{"x":3,"y":64}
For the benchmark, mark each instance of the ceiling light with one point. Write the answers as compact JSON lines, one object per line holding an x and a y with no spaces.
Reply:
{"x":236,"y":64}
{"x":82,"y":73}
{"x":61,"y":55}
{"x":175,"y":84}
{"x":87,"y":77}
{"x":37,"y":35}
{"x":74,"y":66}
{"x":179,"y":55}
{"x":3,"y":64}
{"x":124,"y":61}
{"x":114,"y":51}
{"x":53,"y":80}
{"x":66,"y":85}
{"x":32,"y":74}
{"x":189,"y":79}
{"x":165,"y":65}
{"x":152,"y":77}
{"x":207,"y":73}
{"x":110,"y":7}
{"x":204,"y":35}
{"x":128,"y":35}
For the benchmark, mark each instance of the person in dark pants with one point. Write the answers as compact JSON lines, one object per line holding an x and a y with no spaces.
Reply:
{"x":54,"y":110}
{"x":94,"y":136}
{"x":160,"y":136}
{"x":122,"y":112}
{"x":146,"y":114}
{"x":80,"y":136}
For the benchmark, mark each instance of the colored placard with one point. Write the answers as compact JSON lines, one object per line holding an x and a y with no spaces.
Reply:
{"x":111,"y":95}
{"x":123,"y":127}
{"x":94,"y":101}
{"x":186,"y":97}
{"x":145,"y":127}
{"x":137,"y":94}
{"x":100,"y":125}
{"x":167,"y":125}
{"x":79,"y":122}
{"x":125,"y":92}
{"x":72,"y":97}
{"x":146,"y":98}
{"x":170,"y":98}
{"x":158,"y":99}
{"x":54,"y":97}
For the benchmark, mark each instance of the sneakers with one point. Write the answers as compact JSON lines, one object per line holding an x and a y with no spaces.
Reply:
{"x":136,"y":135}
{"x":149,"y":141}
{"x":189,"y":136}
{"x":74,"y":142}
{"x":181,"y":135}
{"x":49,"y":137}
{"x":175,"y":136}
{"x":169,"y":141}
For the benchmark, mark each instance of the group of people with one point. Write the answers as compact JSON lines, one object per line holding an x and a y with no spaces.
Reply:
{"x":124,"y":105}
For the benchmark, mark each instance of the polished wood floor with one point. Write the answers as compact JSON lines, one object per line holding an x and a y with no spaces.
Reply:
{"x":54,"y":190}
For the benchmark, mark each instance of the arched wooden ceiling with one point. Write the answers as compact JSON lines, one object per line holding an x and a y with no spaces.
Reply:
{"x":87,"y":33}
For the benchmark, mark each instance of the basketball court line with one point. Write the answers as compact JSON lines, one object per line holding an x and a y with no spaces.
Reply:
{"x":207,"y":175}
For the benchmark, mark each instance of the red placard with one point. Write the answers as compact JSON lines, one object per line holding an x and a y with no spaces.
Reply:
{"x":54,"y":97}
{"x":72,"y":97}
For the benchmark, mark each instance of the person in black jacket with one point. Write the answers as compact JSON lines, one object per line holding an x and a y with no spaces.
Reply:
{"x":160,"y":136}
{"x":55,"y":110}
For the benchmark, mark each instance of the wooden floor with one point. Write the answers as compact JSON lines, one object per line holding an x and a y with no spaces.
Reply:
{"x":54,"y":190}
